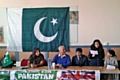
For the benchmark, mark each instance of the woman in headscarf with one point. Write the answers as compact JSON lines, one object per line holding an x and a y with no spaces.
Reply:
{"x":36,"y":59}
{"x":96,"y":59}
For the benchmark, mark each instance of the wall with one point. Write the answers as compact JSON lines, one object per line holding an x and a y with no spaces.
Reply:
{"x":52,"y":54}
{"x":97,"y":18}
{"x":3,"y":22}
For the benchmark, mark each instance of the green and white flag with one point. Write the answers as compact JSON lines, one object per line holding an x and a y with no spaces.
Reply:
{"x":44,"y":28}
{"x":7,"y":60}
{"x":34,"y":75}
{"x":4,"y":75}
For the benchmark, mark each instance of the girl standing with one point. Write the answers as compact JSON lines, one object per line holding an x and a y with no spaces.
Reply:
{"x":96,"y":59}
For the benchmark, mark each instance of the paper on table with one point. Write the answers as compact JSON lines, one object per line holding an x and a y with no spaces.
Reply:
{"x":110,"y":67}
{"x":93,"y":52}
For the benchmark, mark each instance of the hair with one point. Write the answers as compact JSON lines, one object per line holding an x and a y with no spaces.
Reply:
{"x":79,"y":49}
{"x":59,"y":47}
{"x":97,"y":40}
{"x":74,"y":13}
{"x":112,"y":52}
{"x":34,"y":51}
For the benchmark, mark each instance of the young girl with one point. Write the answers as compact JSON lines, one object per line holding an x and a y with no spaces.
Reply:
{"x":36,"y":59}
{"x":96,"y":59}
{"x":111,"y":59}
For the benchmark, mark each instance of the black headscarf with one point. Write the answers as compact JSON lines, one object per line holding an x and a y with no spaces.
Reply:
{"x":93,"y":45}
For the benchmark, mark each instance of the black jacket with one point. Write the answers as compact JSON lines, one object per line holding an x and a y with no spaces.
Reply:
{"x":83,"y":61}
{"x":98,"y":59}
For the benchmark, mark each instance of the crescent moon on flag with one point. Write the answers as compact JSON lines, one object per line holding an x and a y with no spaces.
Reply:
{"x":39,"y":35}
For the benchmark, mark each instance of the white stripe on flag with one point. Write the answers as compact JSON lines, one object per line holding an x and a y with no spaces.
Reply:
{"x":14,"y":41}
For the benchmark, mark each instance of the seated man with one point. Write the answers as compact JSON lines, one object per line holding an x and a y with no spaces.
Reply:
{"x":79,"y":59}
{"x":36,"y":59}
{"x":62,"y":59}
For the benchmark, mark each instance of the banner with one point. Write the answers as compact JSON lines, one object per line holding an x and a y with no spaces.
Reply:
{"x":55,"y":75}
{"x":4,"y":75}
{"x":33,"y":75}
{"x":80,"y":75}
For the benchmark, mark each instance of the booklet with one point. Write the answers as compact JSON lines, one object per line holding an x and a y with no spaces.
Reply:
{"x":93,"y":52}
{"x":110,"y":67}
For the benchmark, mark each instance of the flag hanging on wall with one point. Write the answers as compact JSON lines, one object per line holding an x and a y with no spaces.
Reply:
{"x":43,"y":28}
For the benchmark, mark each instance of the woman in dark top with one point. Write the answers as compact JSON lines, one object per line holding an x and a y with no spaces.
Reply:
{"x":36,"y":59}
{"x":96,"y":59}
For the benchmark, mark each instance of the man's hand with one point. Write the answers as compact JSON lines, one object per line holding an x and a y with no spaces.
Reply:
{"x":58,"y":65}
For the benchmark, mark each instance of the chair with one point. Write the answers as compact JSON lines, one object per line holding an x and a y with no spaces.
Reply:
{"x":24,"y":62}
{"x":44,"y":62}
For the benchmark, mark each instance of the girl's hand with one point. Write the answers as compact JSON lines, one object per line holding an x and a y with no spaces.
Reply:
{"x":93,"y":55}
{"x":33,"y":65}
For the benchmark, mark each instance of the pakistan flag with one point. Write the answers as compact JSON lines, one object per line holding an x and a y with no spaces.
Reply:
{"x":7,"y":60}
{"x":43,"y":28}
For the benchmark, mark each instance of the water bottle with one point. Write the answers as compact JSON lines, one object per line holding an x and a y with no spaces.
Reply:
{"x":49,"y":63}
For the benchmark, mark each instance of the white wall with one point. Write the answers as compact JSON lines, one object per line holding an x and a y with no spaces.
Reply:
{"x":3,"y":22}
{"x":97,"y":18}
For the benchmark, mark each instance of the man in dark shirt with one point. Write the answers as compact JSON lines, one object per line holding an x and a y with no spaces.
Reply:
{"x":79,"y":59}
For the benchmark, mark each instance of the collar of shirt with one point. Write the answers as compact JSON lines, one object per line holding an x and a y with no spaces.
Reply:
{"x":79,"y":56}
{"x":62,"y":55}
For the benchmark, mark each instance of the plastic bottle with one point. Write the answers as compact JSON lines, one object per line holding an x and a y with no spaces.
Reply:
{"x":49,"y":63}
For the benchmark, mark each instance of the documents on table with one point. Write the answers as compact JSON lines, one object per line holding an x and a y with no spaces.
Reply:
{"x":110,"y":67}
{"x":93,"y":52}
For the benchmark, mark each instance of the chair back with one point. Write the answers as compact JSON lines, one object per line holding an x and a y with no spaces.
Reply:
{"x":24,"y":62}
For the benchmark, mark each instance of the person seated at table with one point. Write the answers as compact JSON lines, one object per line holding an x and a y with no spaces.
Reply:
{"x":62,"y":59}
{"x":96,"y":59}
{"x":79,"y":59}
{"x":36,"y":59}
{"x":110,"y":59}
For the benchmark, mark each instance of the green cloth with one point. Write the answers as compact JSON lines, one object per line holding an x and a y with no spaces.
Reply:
{"x":46,"y":23}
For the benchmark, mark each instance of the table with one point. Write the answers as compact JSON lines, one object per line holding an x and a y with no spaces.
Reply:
{"x":102,"y":69}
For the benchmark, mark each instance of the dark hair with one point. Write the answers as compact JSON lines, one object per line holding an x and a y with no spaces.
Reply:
{"x":112,"y":52}
{"x":73,"y":13}
{"x":34,"y":51}
{"x":79,"y":49}
{"x":96,"y":40}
